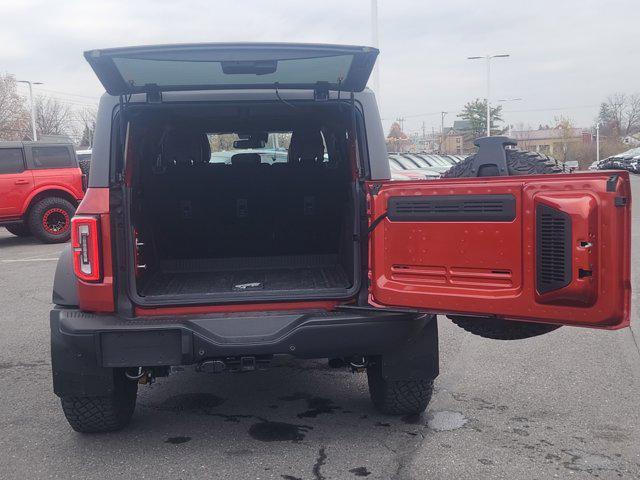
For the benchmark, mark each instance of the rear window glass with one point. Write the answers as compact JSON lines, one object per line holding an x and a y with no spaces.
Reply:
{"x":275,"y":149}
{"x":52,"y":157}
{"x":11,"y":160}
{"x":184,"y":73}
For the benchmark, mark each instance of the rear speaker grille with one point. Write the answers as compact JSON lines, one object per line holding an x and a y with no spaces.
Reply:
{"x":553,"y":249}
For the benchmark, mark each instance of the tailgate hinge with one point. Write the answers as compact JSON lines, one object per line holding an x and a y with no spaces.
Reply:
{"x":154,"y":94}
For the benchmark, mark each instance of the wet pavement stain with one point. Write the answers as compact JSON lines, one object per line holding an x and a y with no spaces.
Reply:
{"x":315,"y":405}
{"x":191,"y":403}
{"x":446,"y":421}
{"x":177,"y":440}
{"x":278,"y":431}
{"x":360,"y":472}
{"x":320,"y":461}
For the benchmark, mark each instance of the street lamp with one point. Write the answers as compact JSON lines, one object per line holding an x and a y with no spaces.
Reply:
{"x":376,"y":41}
{"x":488,"y":59}
{"x":33,"y":108}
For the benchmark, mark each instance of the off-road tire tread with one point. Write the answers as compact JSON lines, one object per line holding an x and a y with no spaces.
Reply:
{"x":101,"y":414}
{"x":19,"y":230}
{"x":37,"y":212}
{"x":519,"y":162}
{"x":497,"y":329}
{"x":85,"y":166}
{"x":398,"y":397}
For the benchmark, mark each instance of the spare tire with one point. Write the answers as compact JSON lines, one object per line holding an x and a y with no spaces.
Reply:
{"x":518,"y":163}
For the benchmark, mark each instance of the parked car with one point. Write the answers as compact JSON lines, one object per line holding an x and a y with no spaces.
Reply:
{"x":40,"y":188}
{"x":439,"y":166}
{"x":629,"y":160}
{"x":401,"y":162}
{"x":176,"y":260}
{"x":399,"y":172}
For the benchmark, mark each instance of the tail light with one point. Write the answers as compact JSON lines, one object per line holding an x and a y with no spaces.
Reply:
{"x":85,"y":234}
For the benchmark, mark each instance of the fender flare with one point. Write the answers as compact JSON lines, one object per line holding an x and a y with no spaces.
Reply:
{"x":49,"y":188}
{"x":65,"y":285}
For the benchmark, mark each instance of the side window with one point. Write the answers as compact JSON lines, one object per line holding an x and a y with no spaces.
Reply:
{"x":52,"y":157}
{"x":11,"y":160}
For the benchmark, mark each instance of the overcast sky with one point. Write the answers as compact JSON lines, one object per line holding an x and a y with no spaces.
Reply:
{"x":566,"y":55}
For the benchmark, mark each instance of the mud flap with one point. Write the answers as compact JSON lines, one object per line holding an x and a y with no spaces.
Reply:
{"x":75,"y":367}
{"x":417,"y":359}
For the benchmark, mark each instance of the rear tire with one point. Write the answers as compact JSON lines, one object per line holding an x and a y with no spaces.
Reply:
{"x":103,"y":414}
{"x":398,"y":397}
{"x":19,"y":230}
{"x":50,"y":219}
{"x":518,"y":163}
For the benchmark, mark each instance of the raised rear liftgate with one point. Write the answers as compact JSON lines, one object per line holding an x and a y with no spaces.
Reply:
{"x":545,"y":248}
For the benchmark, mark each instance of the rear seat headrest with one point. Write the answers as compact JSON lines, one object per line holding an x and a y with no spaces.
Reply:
{"x":245,"y":159}
{"x":306,"y":147}
{"x":185,"y":148}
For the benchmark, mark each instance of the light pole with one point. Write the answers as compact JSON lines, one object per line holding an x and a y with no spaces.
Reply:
{"x":442,"y":115}
{"x":488,"y":59}
{"x":33,"y":108}
{"x":597,"y":141}
{"x":375,"y":41}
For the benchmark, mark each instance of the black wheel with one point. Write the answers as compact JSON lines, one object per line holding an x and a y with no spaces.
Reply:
{"x":19,"y":229}
{"x":103,"y":414}
{"x":397,"y":397}
{"x":518,"y":163}
{"x":50,"y":219}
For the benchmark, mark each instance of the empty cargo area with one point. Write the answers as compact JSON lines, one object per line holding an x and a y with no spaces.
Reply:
{"x":248,"y":203}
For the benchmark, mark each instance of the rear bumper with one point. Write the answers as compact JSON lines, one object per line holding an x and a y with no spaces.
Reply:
{"x":85,"y":346}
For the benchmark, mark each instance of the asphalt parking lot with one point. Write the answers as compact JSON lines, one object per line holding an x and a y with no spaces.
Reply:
{"x":564,"y":405}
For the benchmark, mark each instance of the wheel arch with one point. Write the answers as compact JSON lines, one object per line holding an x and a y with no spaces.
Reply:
{"x":47,"y":192}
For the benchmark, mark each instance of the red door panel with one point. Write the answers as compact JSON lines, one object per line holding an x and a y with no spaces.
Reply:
{"x":14,"y":191}
{"x":547,"y":248}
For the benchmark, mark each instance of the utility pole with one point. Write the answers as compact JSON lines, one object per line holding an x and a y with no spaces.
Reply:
{"x":400,"y":120}
{"x":597,"y":141}
{"x":442,"y":115}
{"x":375,"y":41}
{"x":34,"y":134}
{"x":488,"y":60}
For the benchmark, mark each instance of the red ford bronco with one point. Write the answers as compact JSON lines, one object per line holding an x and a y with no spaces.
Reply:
{"x":191,"y":247}
{"x":40,"y":188}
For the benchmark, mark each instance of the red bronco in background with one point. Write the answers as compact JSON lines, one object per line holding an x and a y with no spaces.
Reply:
{"x":40,"y":188}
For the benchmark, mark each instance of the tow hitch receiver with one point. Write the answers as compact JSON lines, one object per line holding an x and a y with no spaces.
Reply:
{"x":234,"y":364}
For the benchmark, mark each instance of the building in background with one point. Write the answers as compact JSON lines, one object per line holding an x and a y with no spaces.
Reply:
{"x":560,"y":143}
{"x":458,"y":139}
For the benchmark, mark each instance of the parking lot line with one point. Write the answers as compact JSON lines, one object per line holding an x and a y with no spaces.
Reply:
{"x":17,"y":260}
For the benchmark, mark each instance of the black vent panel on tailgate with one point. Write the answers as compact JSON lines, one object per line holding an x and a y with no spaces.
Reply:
{"x":553,"y":249}
{"x":452,"y":208}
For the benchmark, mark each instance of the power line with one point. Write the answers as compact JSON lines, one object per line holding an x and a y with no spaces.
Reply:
{"x":68,"y":93}
{"x":551,"y":109}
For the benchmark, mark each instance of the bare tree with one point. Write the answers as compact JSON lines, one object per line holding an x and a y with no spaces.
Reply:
{"x":86,"y":119}
{"x":53,"y":117}
{"x":14,"y":117}
{"x":620,"y":115}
